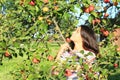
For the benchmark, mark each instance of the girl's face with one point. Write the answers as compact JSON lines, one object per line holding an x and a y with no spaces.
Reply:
{"x":76,"y":37}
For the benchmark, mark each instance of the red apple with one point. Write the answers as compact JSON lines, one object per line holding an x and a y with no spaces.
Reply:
{"x":91,"y":8}
{"x":106,"y":1}
{"x":115,"y":65}
{"x":105,"y":33}
{"x":115,"y":3}
{"x":50,"y":58}
{"x":32,"y":3}
{"x":87,"y":10}
{"x":45,"y":1}
{"x":35,"y":60}
{"x":68,"y":72}
{"x":7,"y":54}
{"x":106,"y":15}
{"x":97,"y":20}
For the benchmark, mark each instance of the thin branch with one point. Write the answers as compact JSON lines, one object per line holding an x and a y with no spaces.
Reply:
{"x":56,"y":25}
{"x":58,"y":28}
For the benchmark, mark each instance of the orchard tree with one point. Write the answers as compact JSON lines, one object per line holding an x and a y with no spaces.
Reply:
{"x":25,"y":30}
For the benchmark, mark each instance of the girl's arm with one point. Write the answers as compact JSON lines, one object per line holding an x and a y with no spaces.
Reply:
{"x":63,"y":48}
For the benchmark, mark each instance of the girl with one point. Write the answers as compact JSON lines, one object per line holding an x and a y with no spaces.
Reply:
{"x":83,"y":39}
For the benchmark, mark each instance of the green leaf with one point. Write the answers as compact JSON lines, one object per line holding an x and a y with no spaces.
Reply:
{"x":82,"y":51}
{"x":90,"y":18}
{"x":86,"y":67}
{"x":94,"y":14}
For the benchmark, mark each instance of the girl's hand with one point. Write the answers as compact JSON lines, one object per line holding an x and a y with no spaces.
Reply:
{"x":63,"y":48}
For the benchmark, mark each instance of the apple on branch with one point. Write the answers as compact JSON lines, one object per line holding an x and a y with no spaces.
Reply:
{"x":32,"y":3}
{"x":7,"y":54}
{"x":106,"y":1}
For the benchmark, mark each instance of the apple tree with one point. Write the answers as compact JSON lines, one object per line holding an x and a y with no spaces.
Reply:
{"x":27,"y":26}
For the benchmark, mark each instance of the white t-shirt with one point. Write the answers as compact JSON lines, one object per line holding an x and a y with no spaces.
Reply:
{"x":86,"y":55}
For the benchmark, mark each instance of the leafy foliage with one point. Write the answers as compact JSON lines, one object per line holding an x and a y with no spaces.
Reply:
{"x":27,"y":26}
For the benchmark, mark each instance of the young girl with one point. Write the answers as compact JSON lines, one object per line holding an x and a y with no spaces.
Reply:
{"x":83,"y":39}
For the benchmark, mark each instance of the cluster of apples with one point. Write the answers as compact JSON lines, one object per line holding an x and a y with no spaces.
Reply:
{"x":67,"y":72}
{"x":96,"y":21}
{"x":89,"y":9}
{"x":104,"y":32}
{"x":36,"y":61}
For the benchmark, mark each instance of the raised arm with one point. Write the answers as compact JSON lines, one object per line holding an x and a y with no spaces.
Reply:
{"x":63,"y":48}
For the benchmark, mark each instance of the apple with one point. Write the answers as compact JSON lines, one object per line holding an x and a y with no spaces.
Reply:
{"x":115,"y":65}
{"x":32,"y":3}
{"x":91,"y":8}
{"x":45,"y":9}
{"x":7,"y":54}
{"x":68,"y":72}
{"x":45,"y":1}
{"x":106,"y":15}
{"x":106,"y":1}
{"x":87,"y":10}
{"x":35,"y":60}
{"x":50,"y":58}
{"x":115,"y":3}
{"x":105,"y":32}
{"x":97,"y":20}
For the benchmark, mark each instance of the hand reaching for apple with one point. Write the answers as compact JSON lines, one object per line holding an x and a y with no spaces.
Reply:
{"x":63,"y":48}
